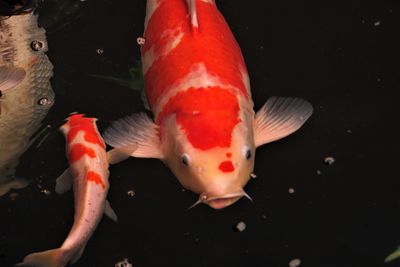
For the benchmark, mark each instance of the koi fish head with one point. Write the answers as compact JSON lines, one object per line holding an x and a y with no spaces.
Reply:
{"x":213,"y":158}
{"x":211,"y":151}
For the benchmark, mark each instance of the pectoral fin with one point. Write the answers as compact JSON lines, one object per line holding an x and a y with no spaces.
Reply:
{"x":136,"y":131}
{"x":64,"y":182}
{"x":109,"y":212}
{"x":10,"y":77}
{"x":117,"y":155}
{"x":280,"y":117}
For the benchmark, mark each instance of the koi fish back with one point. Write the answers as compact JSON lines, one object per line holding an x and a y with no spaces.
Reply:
{"x":179,"y":54}
{"x":205,"y":129}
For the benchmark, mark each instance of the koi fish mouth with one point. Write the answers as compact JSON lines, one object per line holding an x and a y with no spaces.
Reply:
{"x":220,"y":202}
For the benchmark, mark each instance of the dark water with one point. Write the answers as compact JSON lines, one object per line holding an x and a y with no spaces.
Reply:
{"x":334,"y":54}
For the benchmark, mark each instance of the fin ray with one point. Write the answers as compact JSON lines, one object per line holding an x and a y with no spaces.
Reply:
{"x":280,"y":117}
{"x":117,"y":155}
{"x":49,"y":258}
{"x":109,"y":212}
{"x":10,"y":77}
{"x":139,"y":130}
{"x":64,"y":182}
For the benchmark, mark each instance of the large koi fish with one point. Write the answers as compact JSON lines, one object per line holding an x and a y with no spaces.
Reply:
{"x":25,"y":90}
{"x":88,"y":174}
{"x":197,"y":87}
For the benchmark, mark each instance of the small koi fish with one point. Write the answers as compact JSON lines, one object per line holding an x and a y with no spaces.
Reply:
{"x":88,"y":175}
{"x":197,"y":86}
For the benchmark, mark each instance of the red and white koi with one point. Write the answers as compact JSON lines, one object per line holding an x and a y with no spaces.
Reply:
{"x":88,"y":174}
{"x":198,"y":89}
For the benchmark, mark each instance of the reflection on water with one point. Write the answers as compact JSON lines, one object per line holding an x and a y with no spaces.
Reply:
{"x":63,"y":13}
{"x":24,"y":105}
{"x":135,"y":81}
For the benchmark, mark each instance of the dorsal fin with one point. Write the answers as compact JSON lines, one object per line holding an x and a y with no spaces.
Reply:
{"x":193,"y":13}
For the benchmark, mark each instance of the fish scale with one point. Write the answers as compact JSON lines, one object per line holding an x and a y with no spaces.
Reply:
{"x":196,"y":82}
{"x":20,"y":112}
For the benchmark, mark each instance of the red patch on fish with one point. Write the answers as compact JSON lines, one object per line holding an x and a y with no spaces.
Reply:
{"x":77,"y":151}
{"x":207,"y":115}
{"x":96,"y":178}
{"x":79,"y":123}
{"x":226,"y":166}
{"x":229,"y":155}
{"x":213,"y":45}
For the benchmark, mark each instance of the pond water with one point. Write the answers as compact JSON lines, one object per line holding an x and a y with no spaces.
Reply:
{"x":327,"y":196}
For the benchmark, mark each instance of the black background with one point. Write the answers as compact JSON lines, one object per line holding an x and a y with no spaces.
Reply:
{"x":342,"y":56}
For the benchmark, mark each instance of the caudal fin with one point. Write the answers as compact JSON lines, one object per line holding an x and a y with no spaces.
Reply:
{"x":49,"y":258}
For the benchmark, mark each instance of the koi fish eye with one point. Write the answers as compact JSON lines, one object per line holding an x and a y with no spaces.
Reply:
{"x":37,"y":45}
{"x":247,"y":152}
{"x":185,"y":159}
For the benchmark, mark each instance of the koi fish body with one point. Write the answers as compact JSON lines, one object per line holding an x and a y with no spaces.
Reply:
{"x":88,"y":175}
{"x":25,"y":91}
{"x":197,"y":87}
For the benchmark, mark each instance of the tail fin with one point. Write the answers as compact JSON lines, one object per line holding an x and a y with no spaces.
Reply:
{"x":49,"y":258}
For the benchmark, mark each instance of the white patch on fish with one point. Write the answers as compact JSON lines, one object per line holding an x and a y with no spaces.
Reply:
{"x":174,"y":38}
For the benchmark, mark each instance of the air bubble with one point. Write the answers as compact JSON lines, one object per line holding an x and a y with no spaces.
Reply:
{"x":45,"y":192}
{"x":37,"y":45}
{"x":329,"y":160}
{"x":295,"y":263}
{"x":239,"y":227}
{"x":140,"y":41}
{"x":44,"y":101}
{"x":124,"y":263}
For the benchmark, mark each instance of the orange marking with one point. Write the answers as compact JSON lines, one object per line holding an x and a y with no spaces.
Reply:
{"x":78,"y":150}
{"x":33,"y":61}
{"x":78,"y":123}
{"x":96,"y":178}
{"x":207,"y":115}
{"x":213,"y":45}
{"x":226,"y":166}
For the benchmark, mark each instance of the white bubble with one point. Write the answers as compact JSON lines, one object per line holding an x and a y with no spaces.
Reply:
{"x":295,"y":263}
{"x":124,"y":263}
{"x":240,"y":227}
{"x":45,"y":192}
{"x":329,"y":160}
{"x":140,"y":40}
